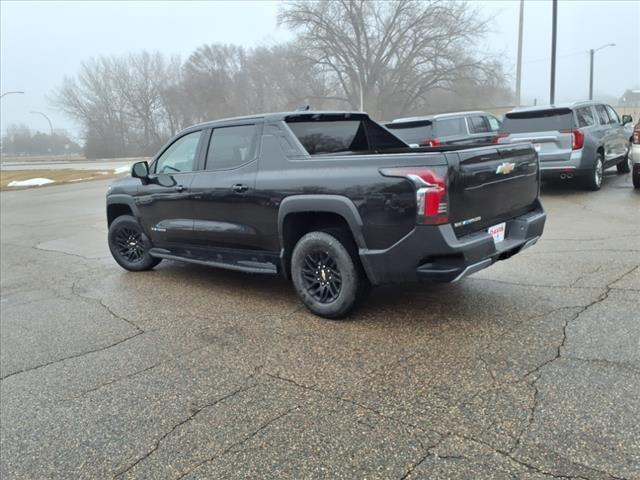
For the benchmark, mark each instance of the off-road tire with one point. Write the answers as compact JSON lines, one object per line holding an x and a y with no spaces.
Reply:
{"x":334,"y":251}
{"x":129,"y":245}
{"x":635,"y":175}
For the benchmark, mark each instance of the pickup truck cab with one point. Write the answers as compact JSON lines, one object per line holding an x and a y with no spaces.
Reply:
{"x":331,"y":200}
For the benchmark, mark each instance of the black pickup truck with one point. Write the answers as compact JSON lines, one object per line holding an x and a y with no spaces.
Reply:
{"x":331,"y":200}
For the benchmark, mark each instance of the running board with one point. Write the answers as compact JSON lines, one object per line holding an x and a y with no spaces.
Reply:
{"x":240,"y":265}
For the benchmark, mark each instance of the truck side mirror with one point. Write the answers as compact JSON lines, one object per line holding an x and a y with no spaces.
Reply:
{"x":626,"y":119}
{"x":140,"y":170}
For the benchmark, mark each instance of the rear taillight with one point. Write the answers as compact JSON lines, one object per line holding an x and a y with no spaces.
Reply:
{"x":636,"y":136}
{"x":430,"y":142}
{"x":431,"y":191}
{"x":497,"y":138}
{"x":577,"y":138}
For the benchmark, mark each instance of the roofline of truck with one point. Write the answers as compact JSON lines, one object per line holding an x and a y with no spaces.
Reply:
{"x":275,"y":116}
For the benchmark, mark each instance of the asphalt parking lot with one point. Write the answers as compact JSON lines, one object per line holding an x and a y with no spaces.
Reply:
{"x":529,"y":369}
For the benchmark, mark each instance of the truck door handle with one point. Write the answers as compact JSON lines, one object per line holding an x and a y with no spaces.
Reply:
{"x":239,"y":188}
{"x":178,"y":188}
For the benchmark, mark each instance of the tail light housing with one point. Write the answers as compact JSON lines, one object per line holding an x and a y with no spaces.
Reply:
{"x":431,"y":191}
{"x":636,"y":136}
{"x":497,"y":138}
{"x":577,"y":138}
{"x":431,"y":142}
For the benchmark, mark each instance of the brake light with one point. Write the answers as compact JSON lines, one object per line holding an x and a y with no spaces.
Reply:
{"x":431,"y":142}
{"x":431,"y":191}
{"x":499,"y":136}
{"x":636,"y":136}
{"x":577,"y":140}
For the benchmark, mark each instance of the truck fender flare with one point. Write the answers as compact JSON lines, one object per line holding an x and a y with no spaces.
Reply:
{"x":337,"y":204}
{"x":123,"y":199}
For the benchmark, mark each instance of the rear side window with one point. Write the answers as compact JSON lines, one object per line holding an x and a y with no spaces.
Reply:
{"x":341,"y":134}
{"x":494,"y":123}
{"x":330,"y":137}
{"x":537,"y":121}
{"x":478,"y":124}
{"x":603,"y":117}
{"x":451,"y":126}
{"x":231,"y":147}
{"x":413,"y":132}
{"x":584,"y":117}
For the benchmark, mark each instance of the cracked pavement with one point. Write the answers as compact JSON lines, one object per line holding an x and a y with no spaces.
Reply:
{"x":529,"y":369}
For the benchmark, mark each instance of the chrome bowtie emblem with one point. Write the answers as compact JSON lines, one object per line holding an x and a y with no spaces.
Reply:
{"x":505,"y":168}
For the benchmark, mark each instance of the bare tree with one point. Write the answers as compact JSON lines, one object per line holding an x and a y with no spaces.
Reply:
{"x":386,"y":56}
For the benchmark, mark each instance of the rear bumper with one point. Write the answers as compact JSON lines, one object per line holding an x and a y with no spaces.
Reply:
{"x":579,"y":163}
{"x":436,"y":253}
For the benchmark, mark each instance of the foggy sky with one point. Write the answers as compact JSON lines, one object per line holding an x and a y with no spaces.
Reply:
{"x":42,"y":42}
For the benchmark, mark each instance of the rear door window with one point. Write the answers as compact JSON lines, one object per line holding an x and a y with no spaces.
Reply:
{"x":448,"y":127}
{"x":231,"y":147}
{"x":584,"y":117}
{"x":478,"y":124}
{"x":538,"y":121}
{"x":603,"y":117}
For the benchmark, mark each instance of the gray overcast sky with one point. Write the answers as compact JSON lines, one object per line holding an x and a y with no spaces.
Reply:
{"x":41,"y":42}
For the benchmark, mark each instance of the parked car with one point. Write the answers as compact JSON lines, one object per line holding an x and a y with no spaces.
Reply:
{"x":462,"y":128}
{"x":576,"y":140}
{"x":634,"y":156}
{"x":331,"y":200}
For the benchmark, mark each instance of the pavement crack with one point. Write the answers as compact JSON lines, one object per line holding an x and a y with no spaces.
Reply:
{"x":70,"y":357}
{"x":345,"y":400}
{"x":601,"y":298}
{"x":247,"y":438}
{"x":193,"y":414}
{"x":421,"y":460}
{"x":105,"y":306}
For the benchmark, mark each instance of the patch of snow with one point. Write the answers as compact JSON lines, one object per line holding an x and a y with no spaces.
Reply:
{"x":123,"y":169}
{"x":31,"y":182}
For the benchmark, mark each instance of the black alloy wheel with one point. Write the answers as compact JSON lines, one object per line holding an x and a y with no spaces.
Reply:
{"x":321,"y":276}
{"x":129,"y":245}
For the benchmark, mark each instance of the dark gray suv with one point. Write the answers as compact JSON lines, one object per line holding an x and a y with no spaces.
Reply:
{"x":577,"y":140}
{"x":460,"y":128}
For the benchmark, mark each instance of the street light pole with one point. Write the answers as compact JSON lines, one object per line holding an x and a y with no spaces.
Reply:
{"x":9,"y":93}
{"x":48,"y":120}
{"x":591,"y":55}
{"x":591,"y":52}
{"x":554,"y":31}
{"x":519,"y":65}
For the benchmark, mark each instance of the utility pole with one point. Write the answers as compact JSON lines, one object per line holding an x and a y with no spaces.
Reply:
{"x":591,"y":52}
{"x":554,"y":31}
{"x":591,"y":55}
{"x":519,"y":64}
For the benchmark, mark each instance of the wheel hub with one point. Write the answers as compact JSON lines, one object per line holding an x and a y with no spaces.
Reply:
{"x":321,"y":277}
{"x":129,"y":244}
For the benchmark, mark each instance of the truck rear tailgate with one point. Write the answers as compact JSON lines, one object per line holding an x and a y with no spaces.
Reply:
{"x":490,"y":185}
